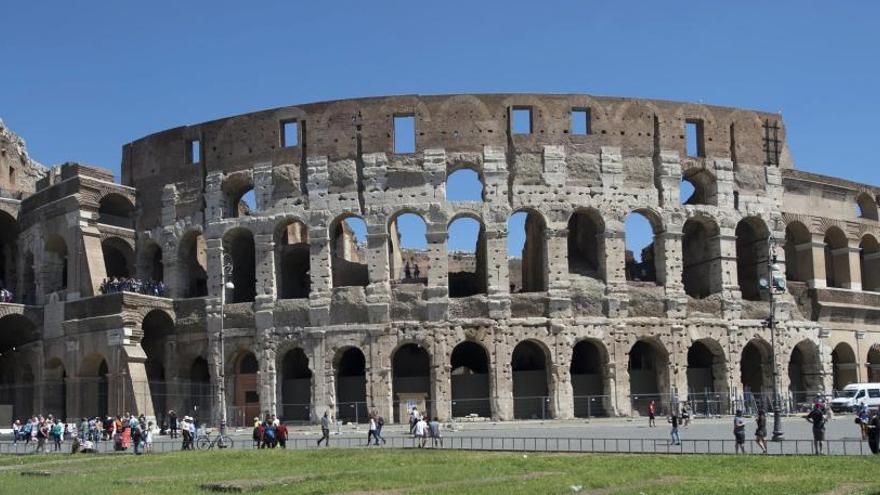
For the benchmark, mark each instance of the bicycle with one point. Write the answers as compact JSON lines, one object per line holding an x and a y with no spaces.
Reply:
{"x":221,"y":441}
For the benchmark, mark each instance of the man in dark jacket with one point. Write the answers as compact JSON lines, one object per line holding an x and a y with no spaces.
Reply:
{"x":172,"y":423}
{"x":874,"y":432}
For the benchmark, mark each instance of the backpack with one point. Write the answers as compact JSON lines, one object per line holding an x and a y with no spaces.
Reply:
{"x":270,"y":433}
{"x":380,"y":421}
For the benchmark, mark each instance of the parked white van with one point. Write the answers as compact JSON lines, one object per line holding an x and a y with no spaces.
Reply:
{"x":854,"y":394}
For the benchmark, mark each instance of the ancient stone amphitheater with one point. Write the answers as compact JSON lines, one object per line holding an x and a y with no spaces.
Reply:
{"x":279,"y":306}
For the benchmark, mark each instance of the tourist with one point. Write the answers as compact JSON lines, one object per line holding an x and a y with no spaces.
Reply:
{"x":257,"y":434}
{"x":862,"y":420}
{"x":172,"y":423}
{"x":739,"y":432}
{"x":57,"y":432}
{"x":150,"y":432}
{"x":685,"y":414}
{"x":674,"y":421}
{"x":136,"y":435}
{"x":761,"y":430}
{"x":281,"y":434}
{"x":652,"y":414}
{"x":16,"y":431}
{"x":42,"y":435}
{"x":874,"y":432}
{"x":193,"y":428}
{"x":380,"y":422}
{"x":817,"y":418}
{"x":420,"y":432}
{"x":434,"y":428}
{"x":371,"y":432}
{"x":268,"y":434}
{"x":325,"y":429}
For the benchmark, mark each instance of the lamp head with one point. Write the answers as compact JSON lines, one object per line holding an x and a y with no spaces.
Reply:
{"x":230,"y":285}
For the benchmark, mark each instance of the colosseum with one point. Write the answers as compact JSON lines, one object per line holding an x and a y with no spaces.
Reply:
{"x":168,"y":290}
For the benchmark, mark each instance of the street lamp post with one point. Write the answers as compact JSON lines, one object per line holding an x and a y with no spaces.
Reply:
{"x":226,"y":261}
{"x":776,"y":283}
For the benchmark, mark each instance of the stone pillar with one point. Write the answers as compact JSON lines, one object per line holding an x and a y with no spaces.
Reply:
{"x":558,"y":284}
{"x":861,"y":362}
{"x":724,"y":183}
{"x":378,"y":371}
{"x":496,"y":210}
{"x":441,"y":381}
{"x":321,"y":280}
{"x":265,"y":268}
{"x":72,"y":383}
{"x":854,"y":262}
{"x":215,"y":201}
{"x":619,"y":369}
{"x":502,"y":380}
{"x":268,"y":378}
{"x":323,"y":392}
{"x":611,"y":163}
{"x":438,"y":271}
{"x":668,"y":172}
{"x":561,"y":393}
{"x":817,"y":248}
{"x":825,"y":365}
{"x":263,"y":185}
{"x":378,"y":292}
{"x":728,"y":284}
{"x":616,"y":293}
{"x":175,"y":385}
{"x":669,"y":266}
{"x":678,"y":351}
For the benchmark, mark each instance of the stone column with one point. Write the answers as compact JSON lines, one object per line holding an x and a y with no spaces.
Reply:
{"x":667,"y":167}
{"x":817,"y":248}
{"x":441,"y":381}
{"x":496,"y":210}
{"x":378,"y":292}
{"x":378,"y":371}
{"x":728,"y":284}
{"x":438,"y":272}
{"x":268,"y":378}
{"x":175,"y":387}
{"x":322,"y":386}
{"x":678,"y":351}
{"x":669,"y":266}
{"x":619,"y":369}
{"x":854,"y":265}
{"x":321,"y":281}
{"x":562,"y":396}
{"x":558,"y":284}
{"x":501,"y":376}
{"x":616,"y":291}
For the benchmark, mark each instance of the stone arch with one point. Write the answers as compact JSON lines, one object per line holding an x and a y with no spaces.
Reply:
{"x":798,"y":252}
{"x":94,"y":385}
{"x":117,"y":210}
{"x":869,"y":261}
{"x":296,"y":385}
{"x":292,"y":259}
{"x":201,"y":391}
{"x":192,"y":260}
{"x":245,"y":388}
{"x":465,"y":183}
{"x":402,"y":259}
{"x":866,"y":206}
{"x":16,"y":330}
{"x":347,"y":256}
{"x":55,"y":387}
{"x":151,"y":261}
{"x":701,"y":256}
{"x":707,"y":376}
{"x":9,"y":229}
{"x":118,"y":257}
{"x":649,"y":380}
{"x":845,"y":365}
{"x":586,"y":243}
{"x":590,"y":380}
{"x":470,"y":380}
{"x":234,"y":188}
{"x":804,"y":371}
{"x":56,"y":264}
{"x":873,"y":364}
{"x":411,"y":377}
{"x":530,"y":365}
{"x":467,"y":269}
{"x":752,"y":250}
{"x":239,"y":244}
{"x":837,"y":272}
{"x":643,"y":267}
{"x":703,"y":187}
{"x":350,"y":369}
{"x":756,"y":372}
{"x":157,"y":326}
{"x":533,"y":257}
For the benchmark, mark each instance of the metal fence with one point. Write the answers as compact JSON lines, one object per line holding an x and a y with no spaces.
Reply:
{"x":511,"y":444}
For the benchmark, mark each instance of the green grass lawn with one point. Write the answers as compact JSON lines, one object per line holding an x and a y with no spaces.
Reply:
{"x":414,"y":471}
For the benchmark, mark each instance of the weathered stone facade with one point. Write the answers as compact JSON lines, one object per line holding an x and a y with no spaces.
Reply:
{"x":315,"y":322}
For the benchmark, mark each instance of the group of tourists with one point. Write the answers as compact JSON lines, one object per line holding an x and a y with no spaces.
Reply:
{"x":126,"y":431}
{"x":38,"y":430}
{"x":868,"y":421}
{"x":270,"y":433}
{"x":423,"y":427}
{"x":121,"y":284}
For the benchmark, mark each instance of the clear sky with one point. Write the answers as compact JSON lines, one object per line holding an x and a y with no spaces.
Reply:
{"x":80,"y":79}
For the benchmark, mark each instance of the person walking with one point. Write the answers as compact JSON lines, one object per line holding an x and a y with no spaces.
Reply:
{"x":652,"y":414}
{"x":761,"y":430}
{"x":874,"y":433}
{"x":325,"y":429}
{"x":674,"y":421}
{"x":172,"y":423}
{"x":685,"y":415}
{"x":371,"y":432}
{"x":57,"y":432}
{"x":817,"y":418}
{"x":436,"y":438}
{"x":380,"y":422}
{"x":16,"y":431}
{"x":739,"y":432}
{"x":420,"y":432}
{"x":862,"y":420}
{"x":281,"y":434}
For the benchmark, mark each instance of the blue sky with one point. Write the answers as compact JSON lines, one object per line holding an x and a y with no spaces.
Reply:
{"x":81,"y":79}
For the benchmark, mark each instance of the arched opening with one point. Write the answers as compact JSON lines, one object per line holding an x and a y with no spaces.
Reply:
{"x":874,"y":364}
{"x":466,"y":254}
{"x":238,"y":190}
{"x":239,"y":243}
{"x":55,"y":264}
{"x":756,"y":373}
{"x":707,"y":377}
{"x":798,"y":253}
{"x":698,"y":187}
{"x":866,"y":206}
{"x":351,"y":385}
{"x":836,"y":259}
{"x":640,"y":258}
{"x":589,"y":379}
{"x":55,"y":388}
{"x":464,"y":185}
{"x":116,"y":209}
{"x":246,"y":400}
{"x":410,"y":379}
{"x":348,"y":252}
{"x":408,"y":249}
{"x":648,"y":369}
{"x":843,"y":360}
{"x":153,"y":269}
{"x":292,"y":260}
{"x":8,"y":253}
{"x":527,"y":248}
{"x":752,"y":250}
{"x":586,"y":244}
{"x":15,"y":331}
{"x":201,"y":393}
{"x":118,"y":258}
{"x":470,"y":381}
{"x":296,"y":386}
{"x":530,"y":376}
{"x":193,"y":261}
{"x":701,"y":257}
{"x":157,"y":327}
{"x":803,"y":372}
{"x":94,"y":386}
{"x":869,"y":261}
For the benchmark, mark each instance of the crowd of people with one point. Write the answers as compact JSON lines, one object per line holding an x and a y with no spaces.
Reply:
{"x":119,"y":284}
{"x":269,"y":433}
{"x":126,"y":431}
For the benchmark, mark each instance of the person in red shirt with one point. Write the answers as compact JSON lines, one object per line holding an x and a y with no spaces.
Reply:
{"x":281,"y":435}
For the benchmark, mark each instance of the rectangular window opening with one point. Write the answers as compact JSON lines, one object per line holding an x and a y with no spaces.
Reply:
{"x":289,"y":133}
{"x":580,"y":121}
{"x":521,"y":120}
{"x":404,"y":134}
{"x":12,"y":176}
{"x":694,"y":138}
{"x":194,"y":150}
